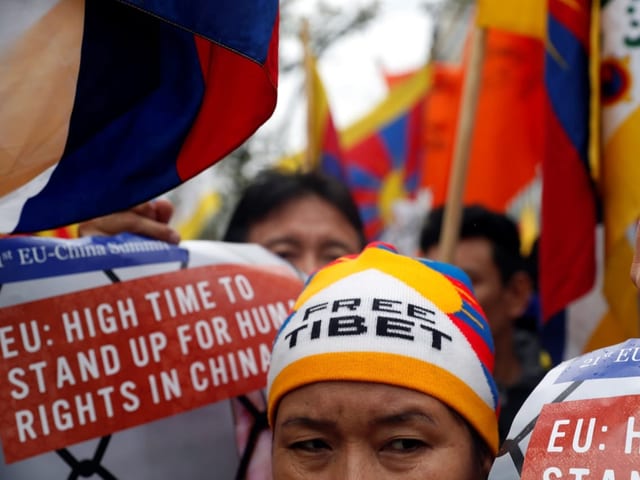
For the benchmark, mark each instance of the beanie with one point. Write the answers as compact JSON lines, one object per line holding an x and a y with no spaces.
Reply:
{"x":387,"y":318}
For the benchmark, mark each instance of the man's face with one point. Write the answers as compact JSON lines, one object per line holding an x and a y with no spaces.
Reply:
{"x":347,"y":430}
{"x":308,"y":232}
{"x":475,"y":257}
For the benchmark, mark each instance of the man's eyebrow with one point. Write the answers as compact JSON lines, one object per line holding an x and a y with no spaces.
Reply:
{"x":308,"y":422}
{"x":285,"y":240}
{"x":404,"y":417}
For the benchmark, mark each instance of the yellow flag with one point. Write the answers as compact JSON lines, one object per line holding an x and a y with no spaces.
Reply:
{"x":526,"y":17}
{"x":319,"y":114}
{"x":620,"y":64}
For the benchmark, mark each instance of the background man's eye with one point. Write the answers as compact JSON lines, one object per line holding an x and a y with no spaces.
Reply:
{"x":285,"y":255}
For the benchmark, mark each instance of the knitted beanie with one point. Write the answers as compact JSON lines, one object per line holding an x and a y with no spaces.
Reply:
{"x":386,"y":318}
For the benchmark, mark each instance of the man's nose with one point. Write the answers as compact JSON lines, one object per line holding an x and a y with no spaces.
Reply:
{"x":357,"y":464}
{"x":309,"y":262}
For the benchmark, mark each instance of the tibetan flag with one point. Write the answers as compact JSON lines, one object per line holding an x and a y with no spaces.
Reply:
{"x":324,"y":145}
{"x":508,"y":133}
{"x":382,"y":152}
{"x":569,"y":208}
{"x":105,"y":104}
{"x":506,"y":147}
{"x":620,"y":70}
{"x":440,"y":122}
{"x":393,"y":79}
{"x":526,"y":17}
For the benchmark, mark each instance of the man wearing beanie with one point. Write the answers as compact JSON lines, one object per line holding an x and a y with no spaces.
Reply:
{"x":383,"y":370}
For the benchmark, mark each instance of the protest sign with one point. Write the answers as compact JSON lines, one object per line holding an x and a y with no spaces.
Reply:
{"x":104,"y":334}
{"x":581,"y":422}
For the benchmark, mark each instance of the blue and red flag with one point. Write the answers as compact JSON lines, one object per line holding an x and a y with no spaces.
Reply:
{"x":569,"y":204}
{"x":382,"y":152}
{"x":330,"y":155}
{"x":105,"y":104}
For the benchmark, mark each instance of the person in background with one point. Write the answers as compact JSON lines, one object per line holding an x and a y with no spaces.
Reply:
{"x":488,"y":250}
{"x":309,"y":219}
{"x":383,"y":370}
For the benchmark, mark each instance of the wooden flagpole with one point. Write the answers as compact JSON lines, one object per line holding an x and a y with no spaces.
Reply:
{"x":462,"y":148}
{"x":312,"y":148}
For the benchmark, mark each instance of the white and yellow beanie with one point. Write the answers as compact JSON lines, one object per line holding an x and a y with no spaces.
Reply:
{"x":386,"y":318}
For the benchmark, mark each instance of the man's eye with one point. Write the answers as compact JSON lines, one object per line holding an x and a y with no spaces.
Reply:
{"x":285,"y":254}
{"x":312,"y":445}
{"x":405,"y":445}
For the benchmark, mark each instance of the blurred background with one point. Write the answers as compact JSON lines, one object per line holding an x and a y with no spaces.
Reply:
{"x":360,"y":47}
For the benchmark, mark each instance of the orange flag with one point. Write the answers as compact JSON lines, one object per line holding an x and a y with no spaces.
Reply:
{"x":441,"y":118}
{"x":507,"y":140}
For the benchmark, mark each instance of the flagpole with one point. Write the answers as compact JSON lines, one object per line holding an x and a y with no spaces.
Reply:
{"x":309,"y":154}
{"x":462,"y":148}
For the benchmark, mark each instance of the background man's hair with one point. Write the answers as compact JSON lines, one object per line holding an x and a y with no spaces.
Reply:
{"x":273,"y":188}
{"x":480,"y":222}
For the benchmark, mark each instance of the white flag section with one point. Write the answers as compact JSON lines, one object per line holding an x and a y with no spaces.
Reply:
{"x":582,"y":421}
{"x":128,"y":358}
